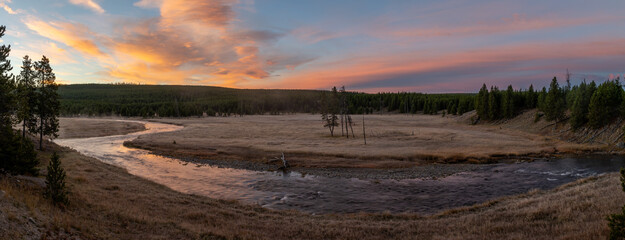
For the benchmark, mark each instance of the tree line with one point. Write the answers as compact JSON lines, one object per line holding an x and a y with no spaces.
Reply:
{"x":582,"y":105}
{"x":184,"y":101}
{"x":29,"y":102}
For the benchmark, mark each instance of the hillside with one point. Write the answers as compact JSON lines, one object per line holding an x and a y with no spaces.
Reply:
{"x":180,"y":101}
{"x":183,"y":101}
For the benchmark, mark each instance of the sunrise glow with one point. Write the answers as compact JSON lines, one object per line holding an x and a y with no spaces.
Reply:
{"x":371,"y":46}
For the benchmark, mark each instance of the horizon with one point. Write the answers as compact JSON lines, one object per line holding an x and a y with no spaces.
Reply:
{"x":367,"y":46}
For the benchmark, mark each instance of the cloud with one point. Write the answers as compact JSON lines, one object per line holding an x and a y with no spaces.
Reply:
{"x":515,"y":23}
{"x":498,"y":64}
{"x":56,"y":54}
{"x":149,"y":3}
{"x":206,"y":13}
{"x":73,"y":35}
{"x":90,"y":4}
{"x":9,"y":10}
{"x":313,"y":35}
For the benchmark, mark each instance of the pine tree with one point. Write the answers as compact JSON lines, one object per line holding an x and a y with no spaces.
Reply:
{"x":8,"y":147}
{"x":540,"y":100}
{"x":47,"y":100}
{"x":604,"y":103}
{"x":26,"y":100}
{"x":481,"y":102}
{"x":507,"y":104}
{"x":6,"y":85}
{"x":531,"y":98}
{"x":579,"y":110}
{"x":494,"y":102}
{"x":554,"y":102}
{"x":55,"y":181}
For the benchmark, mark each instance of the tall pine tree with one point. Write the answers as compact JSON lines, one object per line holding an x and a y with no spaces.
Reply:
{"x":27,"y":98}
{"x":481,"y":102}
{"x":555,"y":104}
{"x":579,"y":110}
{"x":47,"y":100}
{"x":604,"y":103}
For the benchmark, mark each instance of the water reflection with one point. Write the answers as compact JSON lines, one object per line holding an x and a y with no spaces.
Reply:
{"x":291,"y":190}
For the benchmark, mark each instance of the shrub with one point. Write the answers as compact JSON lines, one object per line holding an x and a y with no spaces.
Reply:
{"x":17,"y":154}
{"x":55,"y":182}
{"x":616,"y":222}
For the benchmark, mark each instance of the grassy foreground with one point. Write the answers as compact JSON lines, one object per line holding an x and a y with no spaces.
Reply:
{"x":109,"y":203}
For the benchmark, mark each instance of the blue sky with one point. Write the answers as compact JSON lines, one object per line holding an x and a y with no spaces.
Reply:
{"x":424,"y":46}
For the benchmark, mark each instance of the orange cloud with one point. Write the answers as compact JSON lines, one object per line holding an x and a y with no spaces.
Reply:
{"x":9,"y":10}
{"x":56,"y":54}
{"x":73,"y":35}
{"x":172,"y":43}
{"x":90,"y":4}
{"x":214,"y":13}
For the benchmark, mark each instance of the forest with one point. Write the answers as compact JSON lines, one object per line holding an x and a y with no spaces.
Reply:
{"x":586,"y":104}
{"x":184,"y":101}
{"x":581,"y":105}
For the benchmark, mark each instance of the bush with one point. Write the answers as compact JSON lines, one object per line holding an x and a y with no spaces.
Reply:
{"x":17,"y":154}
{"x":616,"y":222}
{"x":55,"y":182}
{"x":537,"y":116}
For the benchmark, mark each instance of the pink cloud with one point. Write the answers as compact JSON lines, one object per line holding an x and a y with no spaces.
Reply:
{"x":380,"y":67}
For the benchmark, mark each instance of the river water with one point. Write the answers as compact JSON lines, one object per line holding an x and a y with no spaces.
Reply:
{"x":313,"y":194}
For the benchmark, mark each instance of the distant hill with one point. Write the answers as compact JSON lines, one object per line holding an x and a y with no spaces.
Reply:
{"x":172,"y":101}
{"x":184,"y":101}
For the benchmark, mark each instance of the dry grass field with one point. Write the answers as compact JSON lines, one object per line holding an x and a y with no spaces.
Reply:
{"x":89,"y":127}
{"x":392,"y":141}
{"x":109,"y":203}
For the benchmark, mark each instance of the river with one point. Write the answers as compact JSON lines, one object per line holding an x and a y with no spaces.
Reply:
{"x":314,"y":194}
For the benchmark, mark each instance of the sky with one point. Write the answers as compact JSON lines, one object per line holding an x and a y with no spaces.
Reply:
{"x":370,"y":46}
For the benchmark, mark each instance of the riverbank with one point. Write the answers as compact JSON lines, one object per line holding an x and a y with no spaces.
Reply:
{"x":92,"y":127}
{"x":393,"y":141}
{"x":109,"y":203}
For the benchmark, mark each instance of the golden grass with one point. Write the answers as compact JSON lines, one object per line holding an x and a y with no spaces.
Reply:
{"x":109,"y":203}
{"x":89,"y":127}
{"x":392,"y":141}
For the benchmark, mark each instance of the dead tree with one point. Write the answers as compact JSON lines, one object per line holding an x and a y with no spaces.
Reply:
{"x":342,"y":131}
{"x":364,"y":135}
{"x":350,"y":125}
{"x":285,"y":163}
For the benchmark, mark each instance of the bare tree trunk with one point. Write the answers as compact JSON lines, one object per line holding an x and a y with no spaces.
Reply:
{"x":342,"y":131}
{"x":346,"y":125}
{"x":24,"y":129}
{"x":350,"y":125}
{"x":41,"y":134}
{"x":364,"y":134}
